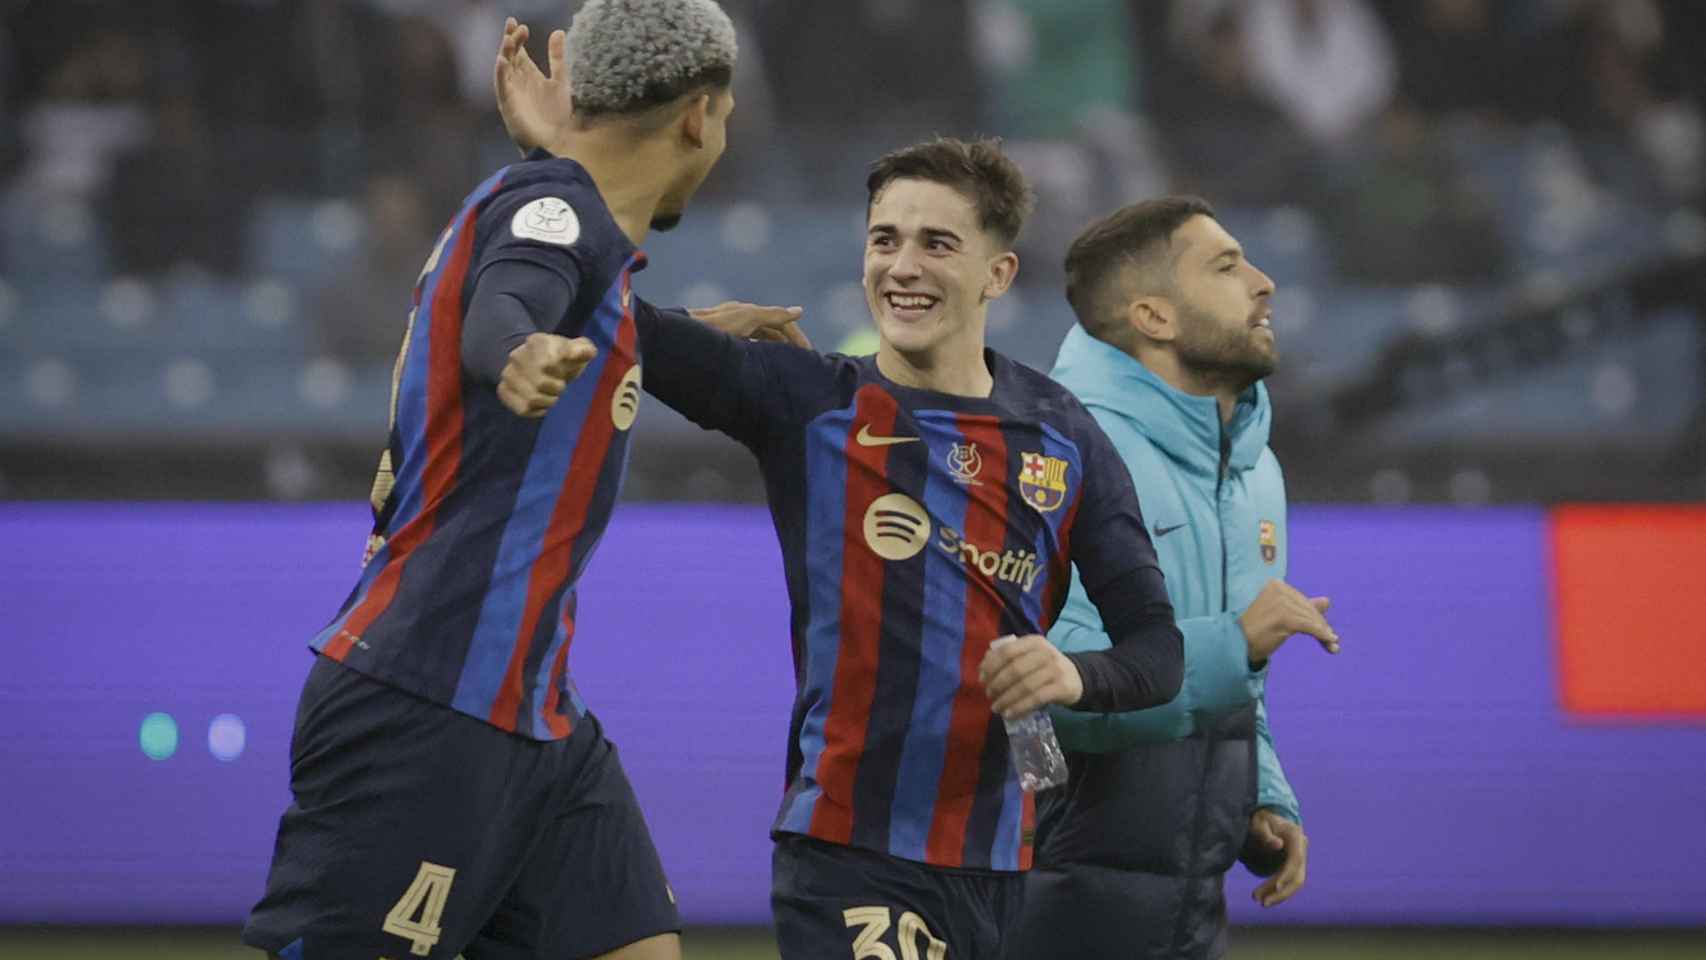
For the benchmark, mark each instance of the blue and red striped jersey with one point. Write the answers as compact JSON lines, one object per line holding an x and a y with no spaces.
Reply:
{"x":484,"y":520}
{"x":916,"y":527}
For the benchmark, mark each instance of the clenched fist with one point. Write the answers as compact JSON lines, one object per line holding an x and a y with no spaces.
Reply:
{"x":540,"y":369}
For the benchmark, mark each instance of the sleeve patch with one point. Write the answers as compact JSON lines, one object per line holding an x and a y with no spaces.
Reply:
{"x":547,"y":220}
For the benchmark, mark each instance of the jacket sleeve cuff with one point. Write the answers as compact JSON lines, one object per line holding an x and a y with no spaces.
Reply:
{"x":1081,"y":732}
{"x":1070,"y":636}
{"x":1216,"y":669}
{"x":1279,"y":804}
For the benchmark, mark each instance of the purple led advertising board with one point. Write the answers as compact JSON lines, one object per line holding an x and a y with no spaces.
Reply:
{"x":152,"y":656}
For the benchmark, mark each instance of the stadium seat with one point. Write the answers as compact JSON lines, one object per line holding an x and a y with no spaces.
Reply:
{"x":1635,"y":392}
{"x":59,"y":241}
{"x":301,"y":241}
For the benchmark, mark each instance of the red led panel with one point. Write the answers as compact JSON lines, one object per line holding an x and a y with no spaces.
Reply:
{"x":1630,"y":588}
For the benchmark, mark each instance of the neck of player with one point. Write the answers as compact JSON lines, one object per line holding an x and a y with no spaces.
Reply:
{"x":621,"y":170}
{"x":950,"y":367}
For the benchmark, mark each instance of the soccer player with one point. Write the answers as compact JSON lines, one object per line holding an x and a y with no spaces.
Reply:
{"x":452,"y":794}
{"x":929,"y":500}
{"x":1171,"y":346}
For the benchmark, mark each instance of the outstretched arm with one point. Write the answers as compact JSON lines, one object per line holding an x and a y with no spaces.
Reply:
{"x":708,"y":366}
{"x":750,"y":321}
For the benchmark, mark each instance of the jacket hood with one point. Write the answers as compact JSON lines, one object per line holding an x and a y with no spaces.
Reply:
{"x":1185,"y":427}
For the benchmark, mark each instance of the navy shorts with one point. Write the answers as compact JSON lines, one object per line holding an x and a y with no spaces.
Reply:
{"x":836,"y":901}
{"x":417,"y":831}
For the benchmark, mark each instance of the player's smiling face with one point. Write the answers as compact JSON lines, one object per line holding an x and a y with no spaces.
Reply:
{"x":1226,"y":314}
{"x":930,"y":267}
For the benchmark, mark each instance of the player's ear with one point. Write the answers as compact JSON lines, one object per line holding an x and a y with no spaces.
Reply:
{"x":1002,"y":271}
{"x":1154,"y":317}
{"x":693,"y":120}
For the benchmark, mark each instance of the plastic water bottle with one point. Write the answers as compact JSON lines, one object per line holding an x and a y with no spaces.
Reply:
{"x":1036,"y":751}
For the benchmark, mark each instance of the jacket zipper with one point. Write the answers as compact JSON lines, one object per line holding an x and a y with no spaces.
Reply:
{"x":1182,"y":928}
{"x":1219,"y":483}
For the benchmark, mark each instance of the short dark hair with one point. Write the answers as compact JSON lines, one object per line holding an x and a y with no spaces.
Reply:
{"x":978,"y":169}
{"x":1131,"y":236}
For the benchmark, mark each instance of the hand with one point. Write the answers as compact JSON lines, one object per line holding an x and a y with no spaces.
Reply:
{"x":1024,"y":673}
{"x":1280,"y":611}
{"x":539,"y":370}
{"x":756,"y":323}
{"x":1275,"y":833}
{"x":537,"y":109}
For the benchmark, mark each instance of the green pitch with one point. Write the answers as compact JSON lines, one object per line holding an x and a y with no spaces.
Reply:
{"x":1313,"y":944}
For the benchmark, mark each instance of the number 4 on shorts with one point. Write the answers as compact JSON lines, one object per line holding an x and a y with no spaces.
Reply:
{"x":425,"y":898}
{"x":869,"y":945}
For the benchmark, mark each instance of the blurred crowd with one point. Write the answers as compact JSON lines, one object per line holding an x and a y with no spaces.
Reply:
{"x":174,"y":118}
{"x":172,"y":124}
{"x":1349,"y":104}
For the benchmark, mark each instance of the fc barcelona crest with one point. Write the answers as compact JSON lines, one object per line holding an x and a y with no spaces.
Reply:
{"x":1042,"y":481}
{"x":1266,"y":536}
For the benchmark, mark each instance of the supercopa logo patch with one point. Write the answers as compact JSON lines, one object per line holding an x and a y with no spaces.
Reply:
{"x":964,"y":460}
{"x":547,"y":220}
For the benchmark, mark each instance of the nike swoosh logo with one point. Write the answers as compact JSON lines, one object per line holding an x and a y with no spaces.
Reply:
{"x":866,"y":440}
{"x":1163,"y":531}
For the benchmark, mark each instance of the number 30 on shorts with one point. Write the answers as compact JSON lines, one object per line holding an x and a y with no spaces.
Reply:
{"x":874,"y":921}
{"x":415,"y":918}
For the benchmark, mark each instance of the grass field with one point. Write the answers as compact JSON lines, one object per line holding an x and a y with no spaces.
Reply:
{"x":1269,"y":944}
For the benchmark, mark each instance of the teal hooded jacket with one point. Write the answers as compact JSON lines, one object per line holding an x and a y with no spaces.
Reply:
{"x":1219,"y":529}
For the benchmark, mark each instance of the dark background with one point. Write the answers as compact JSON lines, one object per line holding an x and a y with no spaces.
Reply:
{"x":1484,"y":218}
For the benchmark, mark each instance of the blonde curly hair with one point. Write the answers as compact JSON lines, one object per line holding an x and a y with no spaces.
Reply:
{"x":627,"y":56}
